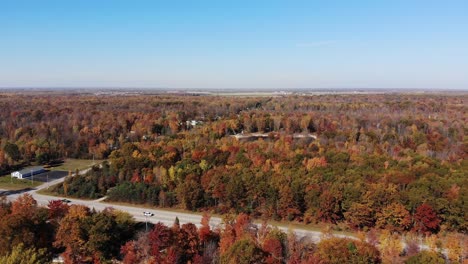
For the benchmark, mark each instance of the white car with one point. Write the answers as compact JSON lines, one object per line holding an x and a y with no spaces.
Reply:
{"x":148,"y":214}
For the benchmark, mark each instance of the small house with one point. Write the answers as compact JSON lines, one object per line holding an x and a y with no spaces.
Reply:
{"x":28,"y":172}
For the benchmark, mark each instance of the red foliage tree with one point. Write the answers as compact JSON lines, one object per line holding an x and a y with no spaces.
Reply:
{"x":129,"y":251}
{"x":273,"y":247}
{"x":135,"y":177}
{"x":242,"y":225}
{"x":204,"y":232}
{"x":25,"y":206}
{"x":426,"y":219}
{"x":187,"y":242}
{"x":57,"y":209}
{"x":160,"y":238}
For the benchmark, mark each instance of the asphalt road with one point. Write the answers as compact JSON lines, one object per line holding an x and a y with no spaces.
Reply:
{"x":163,"y":216}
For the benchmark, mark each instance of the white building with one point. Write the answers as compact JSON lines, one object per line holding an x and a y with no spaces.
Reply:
{"x":27,"y":172}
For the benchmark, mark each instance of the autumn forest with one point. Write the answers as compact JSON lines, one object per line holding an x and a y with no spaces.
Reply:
{"x":379,"y":166}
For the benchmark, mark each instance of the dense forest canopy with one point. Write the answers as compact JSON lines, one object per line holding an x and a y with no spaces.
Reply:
{"x":388,"y":163}
{"x":78,"y":125}
{"x":393,"y":161}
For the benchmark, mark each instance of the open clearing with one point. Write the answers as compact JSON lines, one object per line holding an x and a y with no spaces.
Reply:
{"x":9,"y":183}
{"x":75,"y":164}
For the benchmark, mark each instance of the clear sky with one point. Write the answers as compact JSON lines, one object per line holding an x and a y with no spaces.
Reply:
{"x":234,"y":43}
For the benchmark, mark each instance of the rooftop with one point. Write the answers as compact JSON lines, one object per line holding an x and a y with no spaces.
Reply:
{"x":29,"y":169}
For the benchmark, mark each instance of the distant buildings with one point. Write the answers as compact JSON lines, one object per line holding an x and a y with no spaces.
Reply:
{"x":192,"y":123}
{"x":255,"y":136}
{"x":27,"y":172}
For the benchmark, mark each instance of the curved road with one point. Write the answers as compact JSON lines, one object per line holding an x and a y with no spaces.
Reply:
{"x":164,"y":216}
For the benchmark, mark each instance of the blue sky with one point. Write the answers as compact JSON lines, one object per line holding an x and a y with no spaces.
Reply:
{"x":234,"y":44}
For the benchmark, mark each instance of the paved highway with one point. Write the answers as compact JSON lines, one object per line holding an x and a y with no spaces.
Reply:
{"x":163,"y":216}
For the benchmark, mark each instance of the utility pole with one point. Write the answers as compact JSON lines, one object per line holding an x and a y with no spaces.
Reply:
{"x":146,"y":221}
{"x":146,"y":214}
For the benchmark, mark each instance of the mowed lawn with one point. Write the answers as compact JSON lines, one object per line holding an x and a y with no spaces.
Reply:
{"x":74,"y":164}
{"x":8,"y":183}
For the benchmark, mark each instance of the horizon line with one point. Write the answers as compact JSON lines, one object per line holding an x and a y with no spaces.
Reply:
{"x":225,"y":88}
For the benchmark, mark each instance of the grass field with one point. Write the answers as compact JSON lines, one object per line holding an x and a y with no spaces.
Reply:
{"x":8,"y":183}
{"x":73,"y":164}
{"x":48,"y":191}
